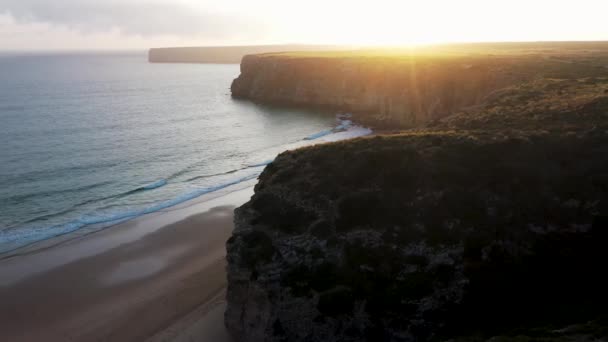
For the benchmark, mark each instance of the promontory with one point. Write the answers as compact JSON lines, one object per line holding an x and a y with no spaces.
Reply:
{"x":483,"y":217}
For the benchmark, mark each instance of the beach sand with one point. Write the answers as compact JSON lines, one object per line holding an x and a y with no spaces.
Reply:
{"x":160,"y":277}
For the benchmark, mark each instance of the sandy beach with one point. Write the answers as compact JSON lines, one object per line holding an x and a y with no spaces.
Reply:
{"x":160,"y":277}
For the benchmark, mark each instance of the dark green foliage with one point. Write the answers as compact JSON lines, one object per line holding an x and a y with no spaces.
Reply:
{"x":298,"y":280}
{"x":321,"y":229}
{"x":287,"y":218}
{"x":442,"y":273}
{"x":558,"y":282}
{"x":336,"y":301}
{"x":566,"y":103}
{"x":277,"y":328}
{"x":416,"y":285}
{"x":481,"y":191}
{"x":419,"y":260}
{"x":257,"y":248}
{"x":324,"y":277}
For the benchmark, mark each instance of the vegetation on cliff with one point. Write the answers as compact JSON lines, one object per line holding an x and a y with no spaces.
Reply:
{"x":421,"y":236}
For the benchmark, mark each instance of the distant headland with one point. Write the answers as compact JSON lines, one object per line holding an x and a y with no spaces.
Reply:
{"x":225,"y":54}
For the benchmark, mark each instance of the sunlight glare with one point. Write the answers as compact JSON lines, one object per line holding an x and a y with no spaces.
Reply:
{"x":407,"y":22}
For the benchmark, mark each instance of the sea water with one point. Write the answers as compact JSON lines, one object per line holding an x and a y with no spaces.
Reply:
{"x":90,"y":140}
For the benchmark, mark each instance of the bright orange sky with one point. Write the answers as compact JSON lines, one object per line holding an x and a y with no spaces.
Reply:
{"x":137,"y":24}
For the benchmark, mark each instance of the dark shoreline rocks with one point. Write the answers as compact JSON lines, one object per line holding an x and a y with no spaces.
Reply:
{"x":421,"y":237}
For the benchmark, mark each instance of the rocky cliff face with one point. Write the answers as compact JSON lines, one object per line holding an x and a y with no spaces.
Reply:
{"x":407,"y":92}
{"x":401,"y":92}
{"x":425,"y":236}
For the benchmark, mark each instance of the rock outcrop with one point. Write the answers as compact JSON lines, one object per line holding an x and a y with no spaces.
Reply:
{"x":425,"y":236}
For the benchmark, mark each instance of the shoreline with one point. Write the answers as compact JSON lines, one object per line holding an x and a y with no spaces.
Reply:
{"x":345,"y":129}
{"x":160,"y":276}
{"x":129,"y":282}
{"x":58,"y":240}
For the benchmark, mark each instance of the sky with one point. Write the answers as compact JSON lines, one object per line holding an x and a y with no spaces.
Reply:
{"x":30,"y":25}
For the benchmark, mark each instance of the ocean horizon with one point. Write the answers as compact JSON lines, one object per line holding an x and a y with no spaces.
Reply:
{"x":92,"y":140}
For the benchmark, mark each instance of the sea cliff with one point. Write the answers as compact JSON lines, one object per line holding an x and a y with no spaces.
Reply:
{"x":401,"y":91}
{"x":421,"y":237}
{"x":398,"y":90}
{"x":487,"y":222}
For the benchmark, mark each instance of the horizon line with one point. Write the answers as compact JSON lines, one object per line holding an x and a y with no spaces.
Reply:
{"x":356,"y":46}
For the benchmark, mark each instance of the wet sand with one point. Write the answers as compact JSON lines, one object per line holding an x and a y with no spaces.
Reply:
{"x":141,"y":280}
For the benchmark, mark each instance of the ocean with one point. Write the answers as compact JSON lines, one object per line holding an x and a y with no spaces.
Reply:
{"x":92,"y":140}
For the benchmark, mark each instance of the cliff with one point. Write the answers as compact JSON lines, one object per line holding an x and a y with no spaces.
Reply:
{"x":425,"y":236}
{"x":409,"y":89}
{"x":487,"y":222}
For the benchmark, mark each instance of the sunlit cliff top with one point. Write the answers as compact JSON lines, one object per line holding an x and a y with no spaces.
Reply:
{"x":459,"y":50}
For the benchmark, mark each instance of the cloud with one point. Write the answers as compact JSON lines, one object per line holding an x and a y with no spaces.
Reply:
{"x":133,"y":17}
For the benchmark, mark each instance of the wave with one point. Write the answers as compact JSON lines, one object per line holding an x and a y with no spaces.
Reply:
{"x":343,"y":125}
{"x":193,"y":166}
{"x":158,"y":184}
{"x":250,"y":166}
{"x":351,"y":133}
{"x":155,"y":185}
{"x":15,"y":239}
{"x":17,"y":199}
{"x":319,"y":135}
{"x":213,"y":175}
{"x":264,"y":163}
{"x":42,"y":218}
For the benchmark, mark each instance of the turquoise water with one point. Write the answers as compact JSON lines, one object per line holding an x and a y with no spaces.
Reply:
{"x":90,"y":140}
